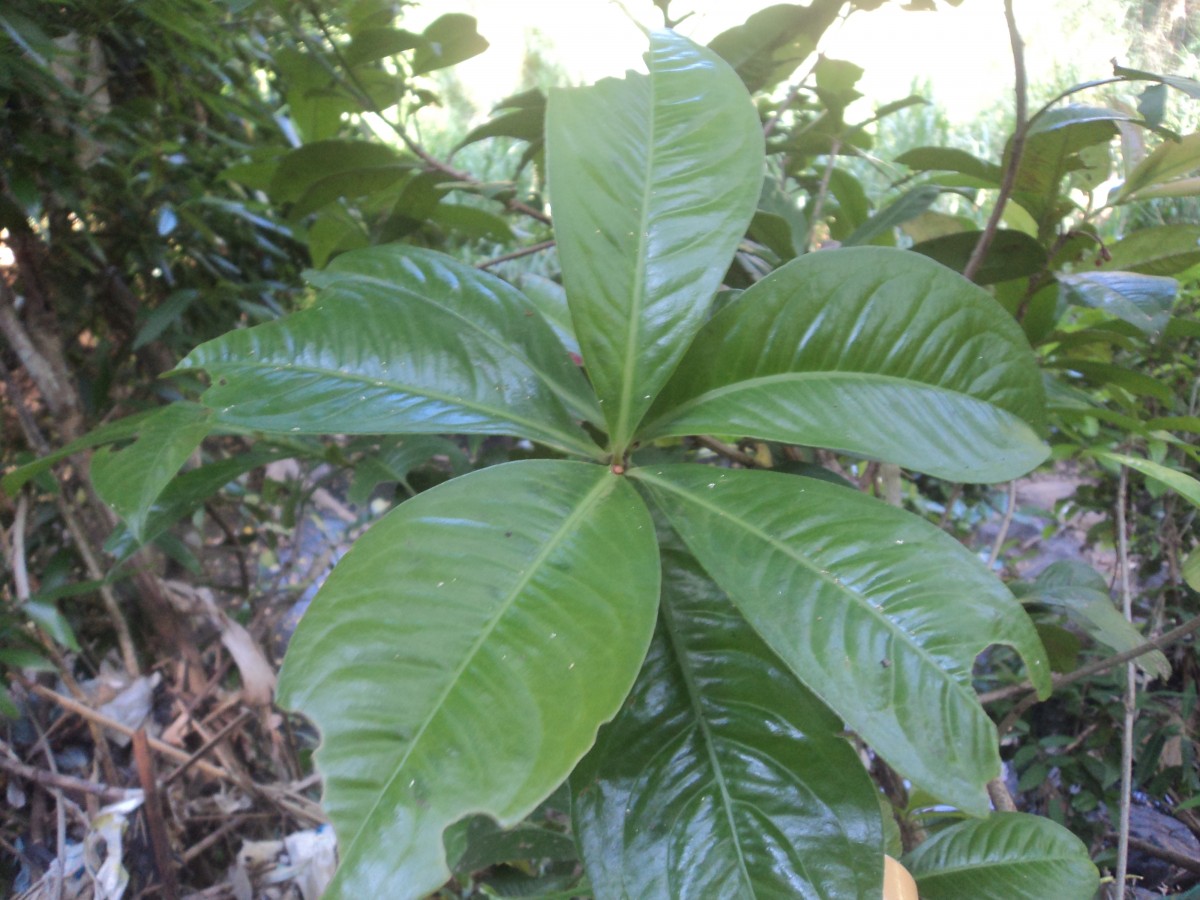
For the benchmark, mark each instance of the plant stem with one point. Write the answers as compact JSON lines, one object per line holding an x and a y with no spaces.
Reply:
{"x":1130,"y":688}
{"x":1015,"y":151}
{"x":1002,"y":535}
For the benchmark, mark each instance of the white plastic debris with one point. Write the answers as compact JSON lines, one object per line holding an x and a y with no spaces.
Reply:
{"x":304,"y":860}
{"x":104,"y":848}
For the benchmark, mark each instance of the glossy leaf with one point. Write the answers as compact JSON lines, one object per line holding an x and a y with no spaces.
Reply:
{"x":648,"y":211}
{"x":1189,"y":86}
{"x":878,"y":612}
{"x":722,"y":776}
{"x":870,"y":351}
{"x":402,"y":340}
{"x":1143,"y":301}
{"x":1082,"y":594}
{"x":131,"y":478}
{"x":462,"y":655}
{"x":1008,"y":856}
{"x":1171,"y":160}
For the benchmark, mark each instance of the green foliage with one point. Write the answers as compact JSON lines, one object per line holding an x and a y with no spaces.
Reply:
{"x":519,"y":609}
{"x":688,"y":646}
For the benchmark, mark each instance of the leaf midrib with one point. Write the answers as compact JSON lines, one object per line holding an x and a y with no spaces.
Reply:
{"x":601,"y":489}
{"x":664,"y":422}
{"x":565,"y":441}
{"x":584,"y":401}
{"x":623,"y":430}
{"x":678,"y":646}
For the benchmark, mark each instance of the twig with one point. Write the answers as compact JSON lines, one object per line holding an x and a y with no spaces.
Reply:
{"x":208,"y":745}
{"x":727,"y":450}
{"x":822,"y":191}
{"x":1002,"y":535}
{"x":152,"y":810}
{"x":1176,"y":859}
{"x":1162,"y":642}
{"x":350,"y":79}
{"x":1001,"y":798}
{"x":515,"y":254}
{"x":1130,"y":688}
{"x":63,"y":782}
{"x":948,"y":508}
{"x":16,"y":561}
{"x":156,"y":745}
{"x":1015,"y":152}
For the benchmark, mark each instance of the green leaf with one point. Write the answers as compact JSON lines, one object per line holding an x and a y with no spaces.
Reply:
{"x":462,"y":655}
{"x":523,"y":116}
{"x":648,"y":211}
{"x":402,"y":341}
{"x":1143,"y":301}
{"x":120,"y":430}
{"x":880,"y":613}
{"x":451,"y":39}
{"x":907,"y":206}
{"x":185,"y":493}
{"x":51,"y":621}
{"x":1162,"y":250}
{"x":1008,"y":856}
{"x":1189,"y":86}
{"x":305,"y":166}
{"x":1081,"y":593}
{"x":1052,"y":148}
{"x":549,"y":299}
{"x":769,"y":45}
{"x":1184,"y":485}
{"x":131,"y":478}
{"x":871,"y":351}
{"x":722,"y":776}
{"x":1171,"y":160}
{"x":1191,"y":570}
{"x":948,"y":159}
{"x":1012,"y":254}
{"x":370,"y":44}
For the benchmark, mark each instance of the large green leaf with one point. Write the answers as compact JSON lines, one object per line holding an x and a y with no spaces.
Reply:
{"x":880,"y":613}
{"x":653,"y":180}
{"x":462,"y":655}
{"x":1011,"y":254}
{"x":402,"y":340}
{"x":1008,"y":856}
{"x":722,"y":776}
{"x":131,"y":478}
{"x":870,"y":351}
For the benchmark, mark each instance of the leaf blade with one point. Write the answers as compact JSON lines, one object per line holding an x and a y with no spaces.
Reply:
{"x":869,"y":606}
{"x":402,"y":340}
{"x":562,"y":558}
{"x":722,"y":763}
{"x":870,"y":351}
{"x":1008,"y":856}
{"x":648,"y":211}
